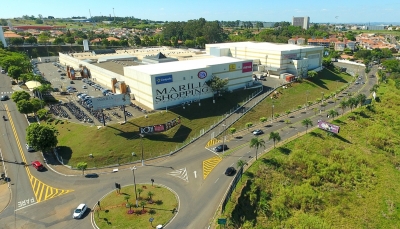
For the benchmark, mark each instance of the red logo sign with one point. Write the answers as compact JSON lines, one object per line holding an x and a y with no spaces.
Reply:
{"x":247,"y":67}
{"x":202,"y":74}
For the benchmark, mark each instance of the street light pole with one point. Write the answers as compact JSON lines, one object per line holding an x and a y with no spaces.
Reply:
{"x":223,"y":140}
{"x":272,"y":118}
{"x":134,"y":183}
{"x":307,"y":99}
{"x":142,"y":136}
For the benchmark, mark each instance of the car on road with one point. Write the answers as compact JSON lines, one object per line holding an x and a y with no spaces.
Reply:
{"x":29,"y":148}
{"x":62,"y":77}
{"x":79,"y":211}
{"x":220,"y":148}
{"x":4,"y":97}
{"x":230,"y":171}
{"x":258,"y":132}
{"x":84,"y":87}
{"x":91,"y":175}
{"x":63,"y":74}
{"x":59,"y":70}
{"x":37,"y":165}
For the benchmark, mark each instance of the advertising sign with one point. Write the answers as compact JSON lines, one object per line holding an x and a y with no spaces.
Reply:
{"x":159,"y":127}
{"x":110,"y":101}
{"x":247,"y":67}
{"x":202,"y":74}
{"x":85,"y":45}
{"x":164,"y":79}
{"x":232,"y":67}
{"x":328,"y":127}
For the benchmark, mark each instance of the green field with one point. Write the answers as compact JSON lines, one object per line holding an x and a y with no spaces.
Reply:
{"x":322,"y":181}
{"x":115,"y":143}
{"x":113,"y":213}
{"x":326,"y":83}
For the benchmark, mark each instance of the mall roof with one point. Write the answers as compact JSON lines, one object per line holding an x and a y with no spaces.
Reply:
{"x":261,"y":46}
{"x":177,"y":66}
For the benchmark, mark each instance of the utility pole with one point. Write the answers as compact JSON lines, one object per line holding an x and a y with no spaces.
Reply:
{"x":114,"y":14}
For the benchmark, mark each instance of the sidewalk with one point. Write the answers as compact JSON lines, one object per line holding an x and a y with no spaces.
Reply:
{"x":5,"y":196}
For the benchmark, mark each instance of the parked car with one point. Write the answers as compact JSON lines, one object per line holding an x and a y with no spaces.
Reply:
{"x":29,"y":148}
{"x":79,"y":211}
{"x":220,"y":148}
{"x":59,"y":70}
{"x":84,"y":86}
{"x":37,"y":165}
{"x":230,"y":171}
{"x":71,"y":82}
{"x":4,"y":97}
{"x":258,"y":132}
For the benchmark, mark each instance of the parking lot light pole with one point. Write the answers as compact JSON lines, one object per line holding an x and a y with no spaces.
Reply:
{"x":142,"y":136}
{"x":134,"y":184}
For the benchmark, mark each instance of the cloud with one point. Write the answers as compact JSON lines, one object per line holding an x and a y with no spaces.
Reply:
{"x":324,"y":10}
{"x":161,"y":9}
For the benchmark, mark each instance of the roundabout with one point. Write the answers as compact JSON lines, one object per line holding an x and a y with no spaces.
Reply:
{"x":152,"y":206}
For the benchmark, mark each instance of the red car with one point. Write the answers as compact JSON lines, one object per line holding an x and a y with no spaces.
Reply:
{"x":38,"y":166}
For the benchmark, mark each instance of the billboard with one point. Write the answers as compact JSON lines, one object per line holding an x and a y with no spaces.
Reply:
{"x":159,"y":127}
{"x":85,"y":45}
{"x":110,"y":101}
{"x":163,"y":79}
{"x":247,"y":67}
{"x":328,"y":127}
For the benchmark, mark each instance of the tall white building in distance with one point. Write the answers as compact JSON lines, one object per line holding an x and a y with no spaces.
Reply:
{"x":304,"y":22}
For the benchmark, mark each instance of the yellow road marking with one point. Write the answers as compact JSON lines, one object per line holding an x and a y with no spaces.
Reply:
{"x":38,"y":187}
{"x":209,"y":165}
{"x":212,"y":142}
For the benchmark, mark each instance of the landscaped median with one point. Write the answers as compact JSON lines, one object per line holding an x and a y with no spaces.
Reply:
{"x":118,"y":208}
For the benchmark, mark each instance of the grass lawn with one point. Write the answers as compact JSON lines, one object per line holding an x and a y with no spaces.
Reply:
{"x":114,"y":210}
{"x":115,"y":143}
{"x":327,"y":82}
{"x":319,"y":181}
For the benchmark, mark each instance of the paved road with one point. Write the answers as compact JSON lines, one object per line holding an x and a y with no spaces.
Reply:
{"x":182,"y":172}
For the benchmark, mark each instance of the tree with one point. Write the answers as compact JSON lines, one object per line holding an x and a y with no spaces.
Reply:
{"x":391,"y":65}
{"x":352,"y":103}
{"x":14,"y":72}
{"x":232,"y":130}
{"x":257,"y":143}
{"x":37,"y":104}
{"x":306,"y":122}
{"x":70,"y":40}
{"x":361,"y":98}
{"x":312,"y":74}
{"x":20,"y":95}
{"x":41,"y":137}
{"x":248,"y":125}
{"x":240,"y":163}
{"x":263,"y":119}
{"x":25,"y":106}
{"x":139,"y":190}
{"x":150,"y":195}
{"x":275,"y":137}
{"x":42,"y":114}
{"x":127,"y":197}
{"x":343,"y":105}
{"x":333,"y":113}
{"x":288,"y":112}
{"x":142,"y":204}
{"x":82,"y":166}
{"x":217,"y":85}
{"x":58,"y":41}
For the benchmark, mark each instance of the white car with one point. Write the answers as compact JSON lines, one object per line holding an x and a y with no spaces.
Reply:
{"x":84,"y":87}
{"x":79,"y":211}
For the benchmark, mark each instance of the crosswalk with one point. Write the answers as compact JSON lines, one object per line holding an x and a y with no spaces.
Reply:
{"x":180,"y":173}
{"x":6,"y":92}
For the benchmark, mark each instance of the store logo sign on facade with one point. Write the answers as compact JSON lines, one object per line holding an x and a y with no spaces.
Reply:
{"x":163,"y":79}
{"x":247,"y":67}
{"x":202,"y":74}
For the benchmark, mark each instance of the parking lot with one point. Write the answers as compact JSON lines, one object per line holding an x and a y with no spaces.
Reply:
{"x":73,"y":107}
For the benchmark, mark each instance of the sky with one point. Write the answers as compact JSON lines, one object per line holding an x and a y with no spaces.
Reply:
{"x":319,"y":11}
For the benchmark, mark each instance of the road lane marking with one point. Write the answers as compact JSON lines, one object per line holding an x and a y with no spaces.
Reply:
{"x":195,"y":174}
{"x":180,"y":173}
{"x":210,"y":164}
{"x":216,"y":181}
{"x":38,"y":187}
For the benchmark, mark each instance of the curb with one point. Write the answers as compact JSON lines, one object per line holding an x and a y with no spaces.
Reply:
{"x":93,"y":222}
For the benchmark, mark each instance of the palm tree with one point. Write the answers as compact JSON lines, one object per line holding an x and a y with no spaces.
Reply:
{"x":240,"y":163}
{"x":352,"y":102}
{"x":332,"y":113}
{"x":343,"y":105}
{"x":139,"y":190}
{"x":275,"y":137}
{"x":127,"y":197}
{"x":257,"y":143}
{"x":142,"y":203}
{"x":361,"y":99}
{"x":306,"y":122}
{"x":315,"y":111}
{"x":150,"y":194}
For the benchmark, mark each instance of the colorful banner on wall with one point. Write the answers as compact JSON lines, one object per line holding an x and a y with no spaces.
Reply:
{"x":247,"y":67}
{"x":160,"y":127}
{"x":328,"y":127}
